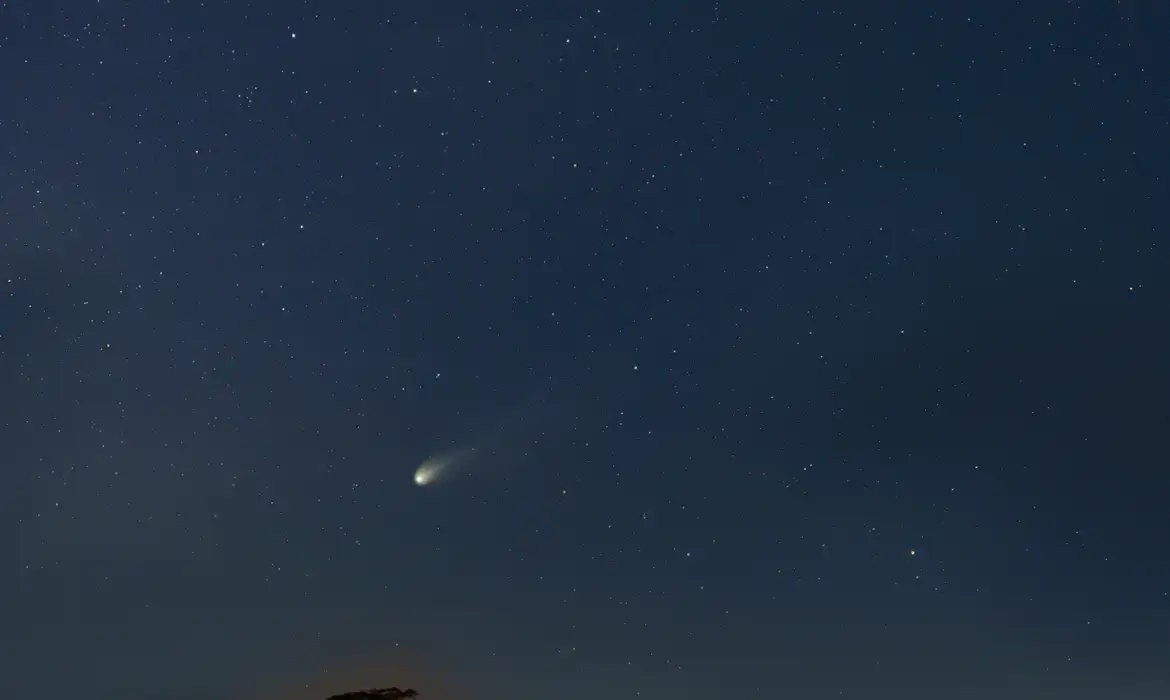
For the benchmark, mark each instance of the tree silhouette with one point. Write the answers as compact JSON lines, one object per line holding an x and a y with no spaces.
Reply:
{"x":377,"y":694}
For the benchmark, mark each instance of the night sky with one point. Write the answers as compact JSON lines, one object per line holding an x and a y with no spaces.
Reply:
{"x":798,"y":350}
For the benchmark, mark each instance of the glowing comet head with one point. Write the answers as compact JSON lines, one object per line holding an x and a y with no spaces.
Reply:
{"x":429,"y":472}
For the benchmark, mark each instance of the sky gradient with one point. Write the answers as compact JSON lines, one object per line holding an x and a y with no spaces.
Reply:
{"x":800,"y":350}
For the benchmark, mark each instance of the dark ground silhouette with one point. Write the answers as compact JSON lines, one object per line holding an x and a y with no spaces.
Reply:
{"x":376,"y":694}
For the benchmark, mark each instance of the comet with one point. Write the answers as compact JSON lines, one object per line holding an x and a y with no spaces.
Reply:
{"x":438,"y":466}
{"x":510,"y":441}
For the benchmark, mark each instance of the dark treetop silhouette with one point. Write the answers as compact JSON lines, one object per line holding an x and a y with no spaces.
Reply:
{"x":376,"y":694}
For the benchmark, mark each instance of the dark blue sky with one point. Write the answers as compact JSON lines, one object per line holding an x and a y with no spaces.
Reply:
{"x":799,"y":350}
